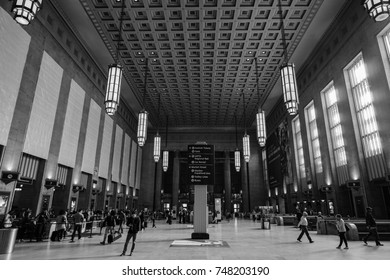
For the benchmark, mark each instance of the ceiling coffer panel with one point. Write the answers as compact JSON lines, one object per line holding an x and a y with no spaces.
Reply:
{"x":201,"y":53}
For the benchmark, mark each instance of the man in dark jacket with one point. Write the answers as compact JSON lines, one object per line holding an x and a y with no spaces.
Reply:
{"x":371,"y":226}
{"x":133,"y":222}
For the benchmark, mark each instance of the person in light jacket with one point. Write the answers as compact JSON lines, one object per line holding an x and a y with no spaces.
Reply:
{"x":342,"y":229}
{"x":303,"y":226}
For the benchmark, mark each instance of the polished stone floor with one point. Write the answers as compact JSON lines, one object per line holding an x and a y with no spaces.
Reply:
{"x":237,"y":240}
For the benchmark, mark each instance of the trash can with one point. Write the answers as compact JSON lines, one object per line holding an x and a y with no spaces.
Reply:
{"x":7,"y":240}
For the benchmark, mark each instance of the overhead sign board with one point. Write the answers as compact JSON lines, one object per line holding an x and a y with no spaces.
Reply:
{"x":201,"y":164}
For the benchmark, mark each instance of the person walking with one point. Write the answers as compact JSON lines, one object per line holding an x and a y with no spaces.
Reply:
{"x":303,"y":226}
{"x":109,"y":222}
{"x":133,"y":222}
{"x":121,"y":220}
{"x":142,"y":218}
{"x":41,"y":221}
{"x":342,"y":229}
{"x":61,"y":222}
{"x":371,"y":226}
{"x":78,"y":220}
{"x":154,"y":214}
{"x":298,"y":215}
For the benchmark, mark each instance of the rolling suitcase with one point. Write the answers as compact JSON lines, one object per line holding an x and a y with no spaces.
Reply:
{"x":54,"y":235}
{"x":110,"y":238}
{"x":113,"y":237}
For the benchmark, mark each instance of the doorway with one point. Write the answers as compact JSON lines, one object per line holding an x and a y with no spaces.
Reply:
{"x":359,"y":206}
{"x":386,"y":198}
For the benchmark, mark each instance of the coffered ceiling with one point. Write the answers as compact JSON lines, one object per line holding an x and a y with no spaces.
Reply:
{"x":201,"y":53}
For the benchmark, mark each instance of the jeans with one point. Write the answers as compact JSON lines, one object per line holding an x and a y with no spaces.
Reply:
{"x":77,"y":227}
{"x":304,"y":231}
{"x":129,"y":236}
{"x":343,"y":238}
{"x":374,"y":232}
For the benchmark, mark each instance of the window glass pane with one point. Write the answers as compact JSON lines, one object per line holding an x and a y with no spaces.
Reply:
{"x":364,"y":109}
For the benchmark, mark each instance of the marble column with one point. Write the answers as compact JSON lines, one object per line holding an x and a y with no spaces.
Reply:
{"x":228,"y":183}
{"x":200,"y":213}
{"x":175,"y":180}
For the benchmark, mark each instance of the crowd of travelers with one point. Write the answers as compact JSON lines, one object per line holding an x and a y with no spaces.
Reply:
{"x":69,"y":223}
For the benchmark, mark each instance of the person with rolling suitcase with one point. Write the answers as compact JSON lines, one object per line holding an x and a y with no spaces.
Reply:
{"x":109,"y":222}
{"x":133,"y":222}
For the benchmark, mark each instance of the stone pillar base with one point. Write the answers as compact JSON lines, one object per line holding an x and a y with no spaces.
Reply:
{"x":200,"y":235}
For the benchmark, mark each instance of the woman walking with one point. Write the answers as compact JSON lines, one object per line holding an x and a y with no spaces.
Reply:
{"x":342,"y":229}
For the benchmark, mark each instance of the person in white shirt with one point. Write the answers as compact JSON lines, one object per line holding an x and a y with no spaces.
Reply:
{"x":303,"y":226}
{"x":341,"y":227}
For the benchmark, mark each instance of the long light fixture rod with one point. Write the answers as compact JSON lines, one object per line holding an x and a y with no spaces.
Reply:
{"x":158,"y":111}
{"x":235,"y":119}
{"x":120,"y":30}
{"x":257,"y":83}
{"x":166,"y":134}
{"x":283,"y":32}
{"x":146,"y":79}
{"x":243,"y":97}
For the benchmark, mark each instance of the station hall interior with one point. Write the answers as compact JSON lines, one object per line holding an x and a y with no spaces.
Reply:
{"x":101,"y":102}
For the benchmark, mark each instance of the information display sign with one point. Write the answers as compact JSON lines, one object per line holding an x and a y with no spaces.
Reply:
{"x":201,"y":164}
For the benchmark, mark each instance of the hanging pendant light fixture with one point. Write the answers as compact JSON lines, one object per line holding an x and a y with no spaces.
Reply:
{"x":247,"y":151}
{"x":114,"y":81}
{"x":165,"y":160}
{"x":377,"y":9}
{"x":237,"y":155}
{"x":287,"y":72}
{"x":157,"y":138}
{"x":260,"y":116}
{"x":157,"y":148}
{"x":166,"y":152}
{"x":245,"y":138}
{"x":143,"y":115}
{"x":261,"y":129}
{"x":25,"y":10}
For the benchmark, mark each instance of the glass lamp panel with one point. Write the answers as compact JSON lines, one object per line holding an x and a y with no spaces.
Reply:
{"x":165,"y":160}
{"x":289,"y":87}
{"x":237,"y":162}
{"x":246,"y":147}
{"x":377,"y":9}
{"x":261,"y":128}
{"x":111,"y":100}
{"x":157,"y":148}
{"x":25,"y":10}
{"x":142,"y":128}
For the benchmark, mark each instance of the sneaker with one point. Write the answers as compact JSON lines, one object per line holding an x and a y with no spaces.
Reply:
{"x":130,"y":253}
{"x":299,"y":240}
{"x":346,"y":248}
{"x":380,"y":244}
{"x":122,"y":254}
{"x":338,"y":247}
{"x":103,"y":243}
{"x":311,"y":241}
{"x":365,"y":242}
